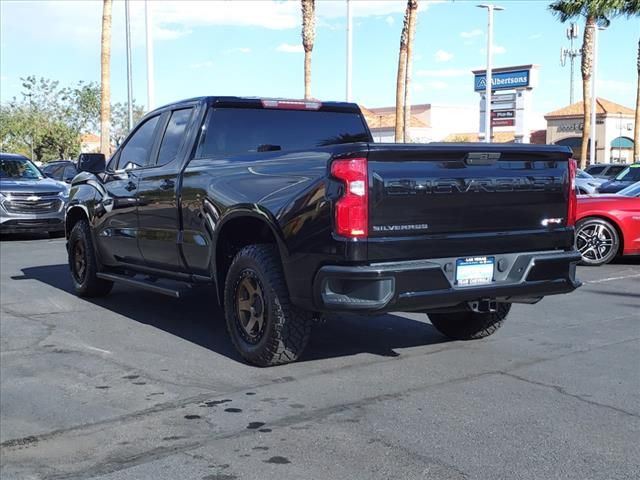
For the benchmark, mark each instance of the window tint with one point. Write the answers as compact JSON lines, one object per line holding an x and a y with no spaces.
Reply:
{"x":629,"y":174}
{"x":69,"y":172}
{"x":242,"y":130}
{"x":54,"y":171}
{"x":173,"y":135}
{"x":138,"y":147}
{"x":595,"y":170}
{"x":615,"y":170}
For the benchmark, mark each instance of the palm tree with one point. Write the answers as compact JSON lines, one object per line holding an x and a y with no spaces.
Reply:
{"x":308,"y":37}
{"x":105,"y":79}
{"x":596,"y":12}
{"x":632,"y":9}
{"x":412,"y":6}
{"x":636,"y":131}
{"x":401,"y":78}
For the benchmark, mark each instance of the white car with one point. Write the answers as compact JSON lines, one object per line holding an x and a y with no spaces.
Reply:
{"x":586,"y":184}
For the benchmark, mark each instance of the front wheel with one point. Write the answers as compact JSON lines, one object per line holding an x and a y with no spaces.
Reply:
{"x":470,"y":325}
{"x":264,"y":327}
{"x":597,"y":241}
{"x":83,"y":263}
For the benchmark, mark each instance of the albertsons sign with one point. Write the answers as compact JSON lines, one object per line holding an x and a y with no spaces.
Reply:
{"x":503,"y":80}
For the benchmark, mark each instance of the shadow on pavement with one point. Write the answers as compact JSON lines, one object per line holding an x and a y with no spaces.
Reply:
{"x":198,"y":319}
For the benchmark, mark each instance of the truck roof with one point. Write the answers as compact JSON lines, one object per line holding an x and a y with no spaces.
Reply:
{"x":257,"y":102}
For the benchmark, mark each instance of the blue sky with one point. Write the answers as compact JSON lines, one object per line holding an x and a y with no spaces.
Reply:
{"x":253,"y":48}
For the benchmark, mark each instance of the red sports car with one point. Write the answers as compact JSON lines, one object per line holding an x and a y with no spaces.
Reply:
{"x":608,"y":225}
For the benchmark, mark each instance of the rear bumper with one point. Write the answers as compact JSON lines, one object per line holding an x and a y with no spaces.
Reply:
{"x":430,"y":284}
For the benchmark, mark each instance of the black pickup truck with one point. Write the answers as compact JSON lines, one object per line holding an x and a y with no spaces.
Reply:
{"x":289,"y":210}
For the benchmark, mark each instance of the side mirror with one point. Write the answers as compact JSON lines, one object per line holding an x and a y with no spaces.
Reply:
{"x":92,"y":162}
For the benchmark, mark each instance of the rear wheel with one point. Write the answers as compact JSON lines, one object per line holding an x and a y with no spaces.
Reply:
{"x":597,"y":240}
{"x":264,"y":327}
{"x":470,"y":325}
{"x":83,"y":263}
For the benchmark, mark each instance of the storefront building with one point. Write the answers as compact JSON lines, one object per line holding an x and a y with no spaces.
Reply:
{"x":614,"y":130}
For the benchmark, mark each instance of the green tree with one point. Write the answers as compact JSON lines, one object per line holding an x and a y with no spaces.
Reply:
{"x":596,"y":13}
{"x":119,"y":120}
{"x":47,"y":121}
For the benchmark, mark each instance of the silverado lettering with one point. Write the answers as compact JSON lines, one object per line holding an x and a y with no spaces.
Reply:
{"x":472,"y":185}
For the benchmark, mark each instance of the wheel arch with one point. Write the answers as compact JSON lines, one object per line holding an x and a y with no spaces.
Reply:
{"x":74,"y":214}
{"x":236,"y":229}
{"x":612,"y":221}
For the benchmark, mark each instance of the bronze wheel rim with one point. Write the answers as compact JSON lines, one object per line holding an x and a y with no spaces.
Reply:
{"x":250,"y":308}
{"x":79,"y":261}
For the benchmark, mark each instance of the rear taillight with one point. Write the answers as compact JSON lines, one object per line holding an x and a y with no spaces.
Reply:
{"x":573,"y":196}
{"x":352,"y":209}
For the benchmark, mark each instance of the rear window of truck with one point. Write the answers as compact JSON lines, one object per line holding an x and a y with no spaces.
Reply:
{"x":242,"y":130}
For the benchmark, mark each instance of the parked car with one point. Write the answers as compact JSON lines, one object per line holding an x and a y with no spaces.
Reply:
{"x":586,"y":184}
{"x":290,"y":210}
{"x":29,"y":201}
{"x":628,"y":176}
{"x":605,"y":170}
{"x":609,"y":225}
{"x":61,"y":170}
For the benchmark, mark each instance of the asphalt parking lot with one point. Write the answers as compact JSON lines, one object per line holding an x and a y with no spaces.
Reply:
{"x":141,"y":386}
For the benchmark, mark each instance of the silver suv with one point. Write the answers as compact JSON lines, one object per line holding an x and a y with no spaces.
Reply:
{"x":29,"y":201}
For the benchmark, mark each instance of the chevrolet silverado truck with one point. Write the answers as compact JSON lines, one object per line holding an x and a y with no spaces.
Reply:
{"x":289,"y":210}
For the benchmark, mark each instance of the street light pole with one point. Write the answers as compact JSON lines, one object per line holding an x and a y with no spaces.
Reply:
{"x":488,"y":77}
{"x":129,"y":82}
{"x":349,"y":49}
{"x":149,"y":31}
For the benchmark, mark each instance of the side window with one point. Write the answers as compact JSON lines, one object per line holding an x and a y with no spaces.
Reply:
{"x":69,"y":172}
{"x":55,"y":171}
{"x":173,"y":135}
{"x":138,"y":148}
{"x":595,"y":170}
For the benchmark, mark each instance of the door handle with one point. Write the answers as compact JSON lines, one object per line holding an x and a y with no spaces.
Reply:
{"x":167,"y":184}
{"x":130,"y":186}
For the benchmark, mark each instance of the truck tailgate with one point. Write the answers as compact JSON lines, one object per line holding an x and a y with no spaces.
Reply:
{"x":468,"y":197}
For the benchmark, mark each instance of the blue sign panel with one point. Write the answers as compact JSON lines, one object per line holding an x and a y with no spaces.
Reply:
{"x":502,"y":80}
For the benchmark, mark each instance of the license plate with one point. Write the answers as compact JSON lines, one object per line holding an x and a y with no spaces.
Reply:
{"x":474,"y":270}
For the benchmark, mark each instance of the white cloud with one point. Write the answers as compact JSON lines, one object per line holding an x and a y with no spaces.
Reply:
{"x":497,"y":50}
{"x":366,"y":8}
{"x":437,"y":85}
{"x":205,"y":64}
{"x":444,"y":73}
{"x":389,"y":20}
{"x":192,"y":13}
{"x":288,"y":48}
{"x":169,"y":34}
{"x":442,"y":56}
{"x":472,"y":33}
{"x":535,"y":36}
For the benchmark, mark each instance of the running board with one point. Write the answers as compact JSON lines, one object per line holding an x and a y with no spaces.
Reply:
{"x":143,"y":284}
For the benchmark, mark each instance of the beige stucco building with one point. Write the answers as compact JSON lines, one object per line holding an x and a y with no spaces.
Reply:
{"x":614,"y":130}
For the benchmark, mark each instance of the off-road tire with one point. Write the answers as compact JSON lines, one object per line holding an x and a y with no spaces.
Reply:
{"x":286,"y":328}
{"x":470,"y":325}
{"x":85,"y":282}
